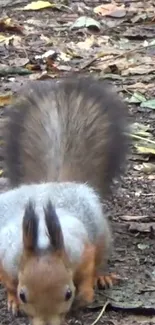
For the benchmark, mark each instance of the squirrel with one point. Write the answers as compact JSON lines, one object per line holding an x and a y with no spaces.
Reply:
{"x":54,"y":238}
{"x":65,"y":143}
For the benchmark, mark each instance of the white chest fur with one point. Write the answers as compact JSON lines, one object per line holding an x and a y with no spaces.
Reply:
{"x":77,"y":206}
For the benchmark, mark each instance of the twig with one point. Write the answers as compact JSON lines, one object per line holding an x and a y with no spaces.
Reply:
{"x":101,"y":313}
{"x":100,"y":55}
{"x":140,"y":138}
{"x":134,"y":50}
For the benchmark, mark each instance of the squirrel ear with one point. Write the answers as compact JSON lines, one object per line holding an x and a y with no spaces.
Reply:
{"x":54,"y":228}
{"x":30,"y":227}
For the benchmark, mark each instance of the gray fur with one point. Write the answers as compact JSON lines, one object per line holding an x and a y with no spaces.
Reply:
{"x":73,"y":130}
{"x":79,"y":211}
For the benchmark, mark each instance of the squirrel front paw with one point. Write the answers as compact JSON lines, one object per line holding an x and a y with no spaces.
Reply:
{"x":11,"y":287}
{"x":12,"y":303}
{"x":104,"y":281}
{"x":84,"y":297}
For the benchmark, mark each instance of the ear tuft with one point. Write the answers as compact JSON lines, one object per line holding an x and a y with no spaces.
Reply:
{"x":53,"y":227}
{"x":30,"y":227}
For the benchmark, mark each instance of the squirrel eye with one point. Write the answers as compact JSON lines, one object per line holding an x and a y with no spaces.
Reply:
{"x":68,"y":294}
{"x":22,"y":297}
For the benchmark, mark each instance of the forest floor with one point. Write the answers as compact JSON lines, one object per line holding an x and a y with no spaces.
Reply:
{"x":116,"y":42}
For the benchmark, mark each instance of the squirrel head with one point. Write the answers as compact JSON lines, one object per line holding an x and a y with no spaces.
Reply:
{"x":45,"y":286}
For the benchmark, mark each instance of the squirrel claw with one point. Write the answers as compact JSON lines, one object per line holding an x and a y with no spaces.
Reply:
{"x":104,"y":281}
{"x":13,"y":305}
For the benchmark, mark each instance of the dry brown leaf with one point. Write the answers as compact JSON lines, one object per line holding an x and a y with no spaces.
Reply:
{"x":148,"y":168}
{"x":46,"y":39}
{"x":140,"y":86}
{"x":138,"y":70}
{"x":110,"y":9}
{"x":87,"y":44}
{"x":5,"y":99}
{"x":17,"y":41}
{"x":8,"y":24}
{"x":43,"y":75}
{"x":19,"y":62}
{"x":33,"y":67}
{"x":142,"y":227}
{"x":13,"y":40}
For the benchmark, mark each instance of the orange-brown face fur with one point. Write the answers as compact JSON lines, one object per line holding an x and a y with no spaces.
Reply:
{"x":45,"y":288}
{"x":45,"y":281}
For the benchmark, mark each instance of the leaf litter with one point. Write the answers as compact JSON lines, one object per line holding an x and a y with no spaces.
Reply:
{"x":115,"y":41}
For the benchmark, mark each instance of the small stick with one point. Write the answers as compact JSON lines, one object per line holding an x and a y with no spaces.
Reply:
{"x":101,"y":313}
{"x":140,"y":138}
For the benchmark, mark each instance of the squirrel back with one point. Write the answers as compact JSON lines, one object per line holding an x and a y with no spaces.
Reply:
{"x":70,"y":130}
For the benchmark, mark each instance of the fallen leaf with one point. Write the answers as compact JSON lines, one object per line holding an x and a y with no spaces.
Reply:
{"x":110,"y":10}
{"x":145,"y":150}
{"x":14,"y":40}
{"x":141,"y":129}
{"x":43,"y":75}
{"x":5,"y":99}
{"x":33,"y":67}
{"x":8,"y":24}
{"x":1,"y":172}
{"x":37,"y":5}
{"x":137,"y":98}
{"x":19,"y":62}
{"x":151,"y":177}
{"x":144,"y":138}
{"x":64,"y":57}
{"x":141,"y":70}
{"x":46,"y":39}
{"x":148,"y":104}
{"x":142,"y":246}
{"x":141,"y":86}
{"x":87,"y":44}
{"x":132,"y":218}
{"x":142,"y":227}
{"x":148,"y":168}
{"x":85,"y":22}
{"x":64,"y":67}
{"x":137,"y":157}
{"x":5,"y":39}
{"x":138,"y":167}
{"x":5,"y":71}
{"x":49,"y":54}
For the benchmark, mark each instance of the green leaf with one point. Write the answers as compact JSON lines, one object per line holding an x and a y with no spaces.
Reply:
{"x":142,"y":246}
{"x":137,"y":98}
{"x":145,"y":150}
{"x":148,"y":104}
{"x":140,"y":130}
{"x":85,"y":22}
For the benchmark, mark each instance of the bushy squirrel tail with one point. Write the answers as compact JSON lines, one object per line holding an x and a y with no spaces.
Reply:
{"x":68,"y":130}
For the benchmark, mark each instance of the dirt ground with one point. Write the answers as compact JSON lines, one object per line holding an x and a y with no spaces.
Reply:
{"x":131,"y":208}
